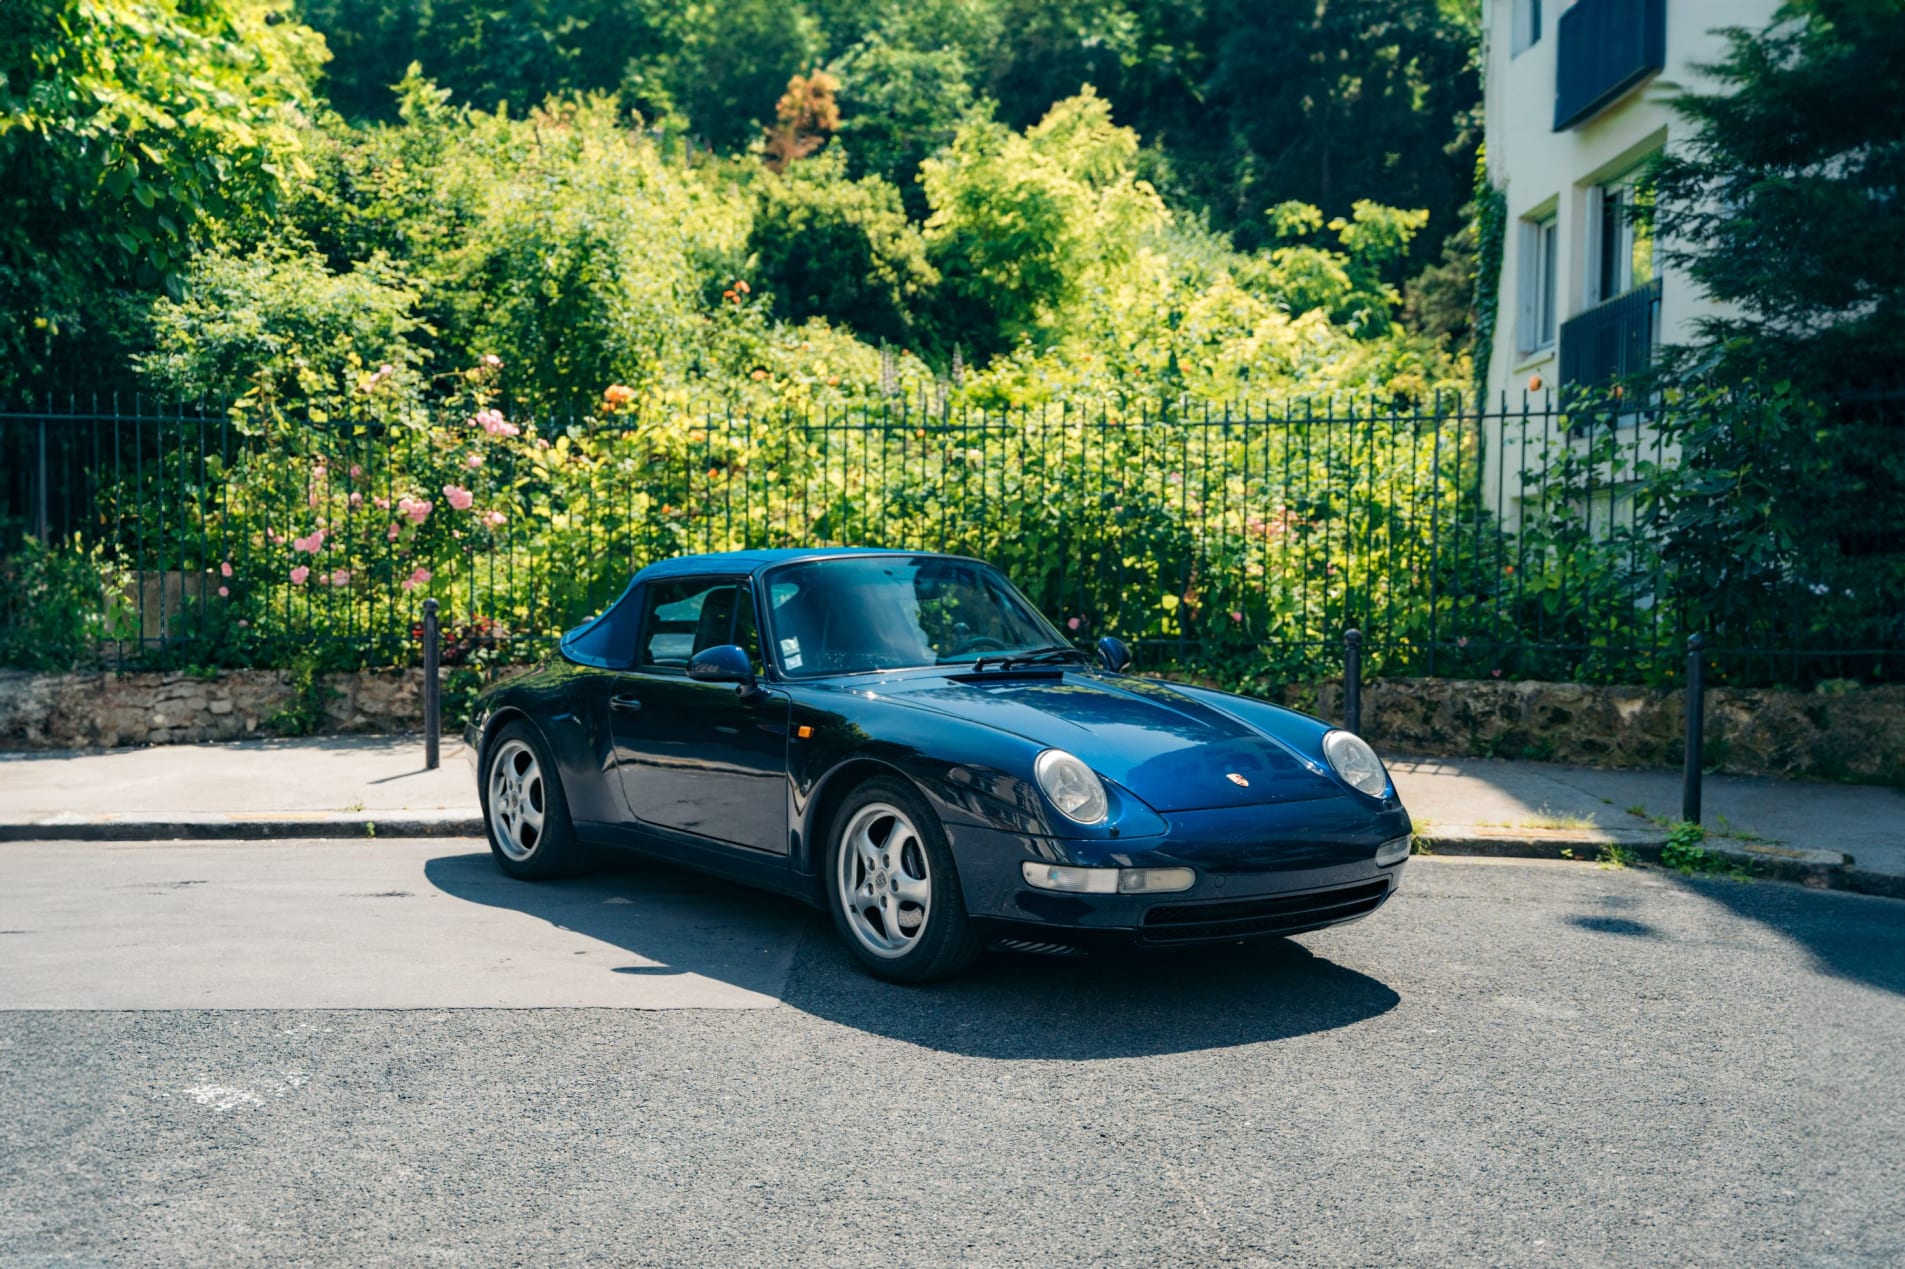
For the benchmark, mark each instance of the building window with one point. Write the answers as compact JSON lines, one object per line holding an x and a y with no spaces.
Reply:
{"x":1539,"y":242}
{"x":1623,"y":245}
{"x":1527,"y":23}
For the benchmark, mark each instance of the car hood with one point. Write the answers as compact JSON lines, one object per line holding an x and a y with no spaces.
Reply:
{"x":1173,"y":751}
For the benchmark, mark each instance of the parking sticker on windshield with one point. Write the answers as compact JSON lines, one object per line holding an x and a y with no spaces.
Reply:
{"x":790,"y":653}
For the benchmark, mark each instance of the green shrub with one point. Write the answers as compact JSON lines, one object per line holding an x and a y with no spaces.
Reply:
{"x":58,"y":604}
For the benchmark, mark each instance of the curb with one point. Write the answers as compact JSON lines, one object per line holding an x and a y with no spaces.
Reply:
{"x":356,"y":824}
{"x":1815,"y":869}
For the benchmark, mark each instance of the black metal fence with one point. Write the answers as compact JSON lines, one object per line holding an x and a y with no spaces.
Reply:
{"x":1241,"y":542}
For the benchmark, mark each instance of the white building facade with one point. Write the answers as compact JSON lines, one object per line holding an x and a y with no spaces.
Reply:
{"x":1577,"y":98}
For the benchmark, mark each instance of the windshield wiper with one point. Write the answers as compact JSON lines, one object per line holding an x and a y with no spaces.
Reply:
{"x":1034,"y":656}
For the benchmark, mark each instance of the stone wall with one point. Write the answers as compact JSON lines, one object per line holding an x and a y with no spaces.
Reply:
{"x":1848,"y":733}
{"x":102,"y":710}
{"x":1840,"y":732}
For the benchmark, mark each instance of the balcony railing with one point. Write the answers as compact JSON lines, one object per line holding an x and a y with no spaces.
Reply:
{"x":1611,"y":341}
{"x":1605,"y":47}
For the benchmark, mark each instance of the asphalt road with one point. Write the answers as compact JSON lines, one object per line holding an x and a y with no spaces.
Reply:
{"x":1513,"y":1063}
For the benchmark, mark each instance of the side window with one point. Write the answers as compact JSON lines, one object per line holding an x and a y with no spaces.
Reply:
{"x":687,"y":617}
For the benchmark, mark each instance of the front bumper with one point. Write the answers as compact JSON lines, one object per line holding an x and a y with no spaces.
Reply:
{"x":1262,"y":872}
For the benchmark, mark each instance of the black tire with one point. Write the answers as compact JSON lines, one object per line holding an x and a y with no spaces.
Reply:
{"x":530,"y":832}
{"x":942,"y":944}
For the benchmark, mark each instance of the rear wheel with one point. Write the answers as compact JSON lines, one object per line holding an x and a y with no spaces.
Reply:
{"x":523,"y":806}
{"x":893,"y":890}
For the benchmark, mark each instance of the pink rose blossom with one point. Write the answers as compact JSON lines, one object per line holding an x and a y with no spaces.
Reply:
{"x":225,"y":569}
{"x":298,"y":575}
{"x":382,"y":504}
{"x":1074,"y":623}
{"x":474,"y":461}
{"x":542,"y":443}
{"x":1236,"y":616}
{"x":275,"y":539}
{"x":493,"y":361}
{"x":320,"y":472}
{"x":315,"y":498}
{"x":417,"y":509}
{"x":243,"y":623}
{"x":419,"y":578}
{"x":492,"y":422}
{"x":392,"y":535}
{"x":341,"y":577}
{"x":224,"y":592}
{"x":311,"y":543}
{"x":493,"y":518}
{"x":460,"y":498}
{"x":357,"y":473}
{"x":357,"y":499}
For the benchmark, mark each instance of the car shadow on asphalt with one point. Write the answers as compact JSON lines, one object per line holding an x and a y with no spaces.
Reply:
{"x":1005,"y":1006}
{"x":1018,"y":1006}
{"x":678,"y":921}
{"x":1860,"y":938}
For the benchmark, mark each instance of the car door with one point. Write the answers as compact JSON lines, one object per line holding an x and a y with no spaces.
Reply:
{"x":697,"y":757}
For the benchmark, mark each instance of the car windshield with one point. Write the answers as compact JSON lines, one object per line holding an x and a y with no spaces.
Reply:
{"x":851,"y":614}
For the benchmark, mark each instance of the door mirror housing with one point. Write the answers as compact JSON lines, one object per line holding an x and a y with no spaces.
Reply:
{"x":1115,"y":654}
{"x":726,"y":663}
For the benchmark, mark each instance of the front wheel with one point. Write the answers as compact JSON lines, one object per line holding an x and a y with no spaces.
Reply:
{"x":894,"y":892}
{"x":525,"y":810}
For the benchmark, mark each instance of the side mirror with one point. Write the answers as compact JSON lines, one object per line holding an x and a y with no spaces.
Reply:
{"x":727,"y":663}
{"x":1114,"y":653}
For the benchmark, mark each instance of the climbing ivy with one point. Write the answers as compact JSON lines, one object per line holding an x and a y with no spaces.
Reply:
{"x":1491,"y":228}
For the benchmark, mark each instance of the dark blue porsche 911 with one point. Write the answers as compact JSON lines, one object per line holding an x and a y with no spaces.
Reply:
{"x":902,"y":738}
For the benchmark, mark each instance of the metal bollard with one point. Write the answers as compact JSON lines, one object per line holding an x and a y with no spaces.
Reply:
{"x":1353,"y":681}
{"x":432,"y":686}
{"x":1696,"y":729}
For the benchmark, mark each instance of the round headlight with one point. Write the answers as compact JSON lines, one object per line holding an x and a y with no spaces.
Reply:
{"x":1356,"y":763}
{"x":1070,"y":784}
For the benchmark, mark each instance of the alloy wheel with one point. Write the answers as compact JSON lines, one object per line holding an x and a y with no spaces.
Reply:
{"x":884,"y":880}
{"x":518,"y":800}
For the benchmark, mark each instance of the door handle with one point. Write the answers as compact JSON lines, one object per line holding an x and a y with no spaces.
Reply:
{"x":629,"y":703}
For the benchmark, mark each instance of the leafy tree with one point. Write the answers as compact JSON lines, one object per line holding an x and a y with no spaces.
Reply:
{"x":720,"y":65}
{"x":1782,"y":202}
{"x":1022,"y":222}
{"x":276,"y":325}
{"x":829,"y":247}
{"x":1256,"y":102}
{"x":901,"y":105}
{"x":1348,"y":285}
{"x":485,"y":52}
{"x":129,"y":130}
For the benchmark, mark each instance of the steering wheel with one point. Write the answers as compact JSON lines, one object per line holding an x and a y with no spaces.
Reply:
{"x":977,"y":643}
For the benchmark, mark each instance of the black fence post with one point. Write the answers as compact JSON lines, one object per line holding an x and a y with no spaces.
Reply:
{"x":41,"y":521}
{"x":1353,"y":681}
{"x":1696,"y":729}
{"x":432,"y":687}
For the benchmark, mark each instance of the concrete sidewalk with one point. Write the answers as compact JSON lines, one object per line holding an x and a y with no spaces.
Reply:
{"x":316,"y":786}
{"x":1844,"y":836}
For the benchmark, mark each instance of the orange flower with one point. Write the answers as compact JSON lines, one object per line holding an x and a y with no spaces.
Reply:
{"x":618,"y":395}
{"x":742,"y":287}
{"x":1534,"y":383}
{"x":760,"y":374}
